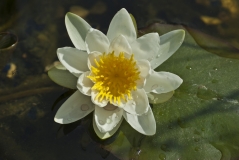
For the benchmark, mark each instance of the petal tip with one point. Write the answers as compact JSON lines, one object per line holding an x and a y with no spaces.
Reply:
{"x":182,"y":31}
{"x":123,"y":10}
{"x":151,"y":134}
{"x":57,"y":120}
{"x":181,"y":81}
{"x":70,"y":14}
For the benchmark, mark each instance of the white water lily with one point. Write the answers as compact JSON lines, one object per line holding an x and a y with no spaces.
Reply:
{"x":114,"y":74}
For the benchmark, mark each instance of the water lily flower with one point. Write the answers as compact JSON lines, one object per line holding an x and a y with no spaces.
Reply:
{"x":114,"y":74}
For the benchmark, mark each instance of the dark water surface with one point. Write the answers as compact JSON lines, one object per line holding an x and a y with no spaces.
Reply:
{"x":28,"y":97}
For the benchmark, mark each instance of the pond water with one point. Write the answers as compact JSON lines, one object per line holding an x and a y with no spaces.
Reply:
{"x":209,"y":95}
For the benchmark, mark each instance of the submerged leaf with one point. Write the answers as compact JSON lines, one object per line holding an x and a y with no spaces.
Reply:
{"x":214,"y":45}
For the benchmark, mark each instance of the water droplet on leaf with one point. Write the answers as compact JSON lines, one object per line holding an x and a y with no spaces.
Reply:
{"x":162,"y":156}
{"x":206,"y":94}
{"x":109,"y":120}
{"x":154,"y":87}
{"x":188,"y":67}
{"x":150,"y":59}
{"x":165,"y":148}
{"x":214,"y":81}
{"x":197,"y":149}
{"x":196,"y":139}
{"x":101,"y":122}
{"x":155,"y":100}
{"x":160,"y":88}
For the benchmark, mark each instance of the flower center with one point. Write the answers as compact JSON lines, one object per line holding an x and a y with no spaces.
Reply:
{"x":114,"y":77}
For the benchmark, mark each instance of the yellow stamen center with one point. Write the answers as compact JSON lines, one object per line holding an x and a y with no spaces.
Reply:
{"x":114,"y":77}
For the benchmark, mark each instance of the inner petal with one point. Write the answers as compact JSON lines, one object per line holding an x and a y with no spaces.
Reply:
{"x":114,"y":77}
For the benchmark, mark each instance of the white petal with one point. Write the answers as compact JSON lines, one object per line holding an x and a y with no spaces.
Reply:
{"x":159,"y":98}
{"x":99,"y":103}
{"x":84,"y":84}
{"x":97,"y":41}
{"x":162,"y":82}
{"x":169,"y":43}
{"x":76,"y":107}
{"x":120,"y":44}
{"x":141,"y":82}
{"x":63,"y":78}
{"x":91,"y":59}
{"x":122,"y":103}
{"x":106,"y":120}
{"x":144,"y":68}
{"x":146,"y":47}
{"x":77,"y":29}
{"x":139,"y":104}
{"x":144,"y":124}
{"x":106,"y":134}
{"x":122,"y":24}
{"x":73,"y":59}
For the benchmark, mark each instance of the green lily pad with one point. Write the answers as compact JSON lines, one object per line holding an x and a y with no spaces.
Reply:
{"x":200,"y":120}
